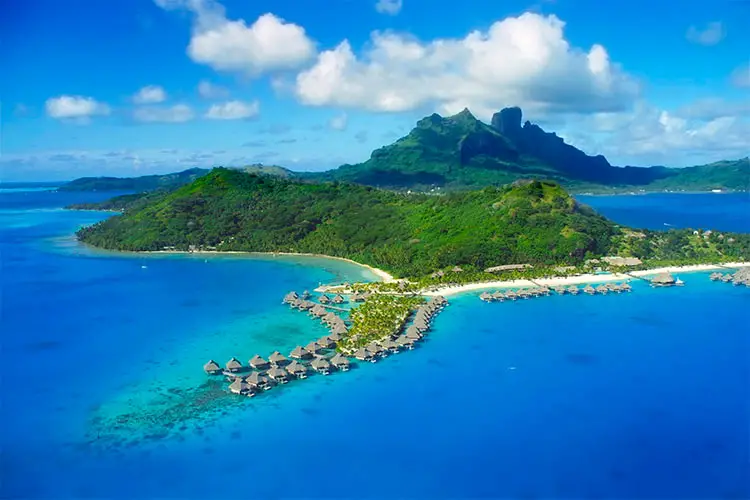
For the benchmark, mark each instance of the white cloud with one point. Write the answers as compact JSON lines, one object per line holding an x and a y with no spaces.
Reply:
{"x":74,"y":107}
{"x":523,"y":60}
{"x":150,"y":94}
{"x":267,"y":45}
{"x":339,"y":122}
{"x":712,"y":34}
{"x":178,"y":113}
{"x":390,"y":7}
{"x":648,"y":135}
{"x":233,"y":110}
{"x":741,"y":76}
{"x":208,"y":90}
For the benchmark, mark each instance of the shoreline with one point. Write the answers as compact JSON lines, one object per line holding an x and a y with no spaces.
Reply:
{"x":384,"y":276}
{"x":580,"y":279}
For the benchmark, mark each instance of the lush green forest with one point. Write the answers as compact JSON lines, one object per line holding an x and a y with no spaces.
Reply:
{"x":408,"y":234}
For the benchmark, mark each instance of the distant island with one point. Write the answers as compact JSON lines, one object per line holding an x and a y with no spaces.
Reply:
{"x":534,"y":223}
{"x":460,"y":152}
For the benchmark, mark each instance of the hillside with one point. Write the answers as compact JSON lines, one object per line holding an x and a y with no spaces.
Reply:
{"x":460,"y":152}
{"x":406,"y":234}
{"x":138,"y":184}
{"x":412,"y":235}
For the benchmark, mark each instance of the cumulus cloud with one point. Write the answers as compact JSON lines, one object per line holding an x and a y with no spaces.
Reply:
{"x":649,"y":135}
{"x":74,"y":107}
{"x":523,"y":60}
{"x":268,"y":44}
{"x":390,"y":7}
{"x":233,"y":110}
{"x":178,"y":113}
{"x":150,"y":94}
{"x":208,"y":90}
{"x":339,"y":122}
{"x":712,"y":34}
{"x":741,"y":76}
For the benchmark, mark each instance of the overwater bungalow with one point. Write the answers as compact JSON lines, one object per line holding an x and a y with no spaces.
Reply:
{"x":318,"y":311}
{"x":485,"y":296}
{"x":277,"y":359}
{"x":329,"y":318}
{"x":279,"y":375}
{"x":626,"y":287}
{"x":326,"y":342}
{"x":336,"y":335}
{"x":376,"y":350}
{"x":663,"y":279}
{"x":413,"y":334}
{"x":405,"y":342}
{"x":321,"y":365}
{"x":299,"y":352}
{"x":390,"y":346}
{"x":560,"y":290}
{"x":239,"y":386}
{"x":499,"y":296}
{"x":589,"y":290}
{"x":726,"y":278}
{"x":602,"y":290}
{"x":340,"y":362}
{"x":715,"y":276}
{"x":312,"y":347}
{"x":511,"y":295}
{"x":363,"y":354}
{"x":257,"y":379}
{"x":306,"y":305}
{"x":573,"y":290}
{"x":212,"y":367}
{"x":233,"y":365}
{"x":324,"y":299}
{"x":258,"y":363}
{"x":289,"y":297}
{"x":297,"y":369}
{"x":338,"y":299}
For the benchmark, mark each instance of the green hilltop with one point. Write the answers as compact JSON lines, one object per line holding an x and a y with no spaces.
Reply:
{"x":535,"y":222}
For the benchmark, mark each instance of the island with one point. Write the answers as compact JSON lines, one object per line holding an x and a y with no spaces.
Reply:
{"x":525,"y":239}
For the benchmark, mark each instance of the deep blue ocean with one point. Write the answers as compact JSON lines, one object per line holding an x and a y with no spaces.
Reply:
{"x":641,"y":395}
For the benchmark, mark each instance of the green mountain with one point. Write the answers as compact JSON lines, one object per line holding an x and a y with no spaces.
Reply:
{"x":408,"y":234}
{"x":139,"y":184}
{"x":459,"y":152}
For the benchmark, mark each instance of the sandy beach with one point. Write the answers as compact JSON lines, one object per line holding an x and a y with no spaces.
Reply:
{"x":581,"y":279}
{"x":383,"y":275}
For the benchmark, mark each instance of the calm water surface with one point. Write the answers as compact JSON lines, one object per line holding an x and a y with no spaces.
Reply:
{"x":625,"y":396}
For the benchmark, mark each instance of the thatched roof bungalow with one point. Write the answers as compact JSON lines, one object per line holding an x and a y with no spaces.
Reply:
{"x":340,"y":362}
{"x":258,"y":363}
{"x":233,"y":365}
{"x":299,"y":352}
{"x":321,"y":365}
{"x":278,"y":374}
{"x":326,"y":343}
{"x":663,"y":279}
{"x":363,"y":354}
{"x":277,"y":359}
{"x":312,"y":347}
{"x":212,"y":367}
{"x":297,"y":369}
{"x":324,"y":299}
{"x":338,"y":299}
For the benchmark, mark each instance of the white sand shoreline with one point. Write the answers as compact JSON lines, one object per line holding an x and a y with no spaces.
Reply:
{"x":383,"y":275}
{"x":580,"y":279}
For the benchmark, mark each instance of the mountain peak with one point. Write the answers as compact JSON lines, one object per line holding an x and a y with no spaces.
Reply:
{"x":508,"y":121}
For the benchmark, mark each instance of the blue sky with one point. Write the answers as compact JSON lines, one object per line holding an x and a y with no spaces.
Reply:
{"x":129,"y":87}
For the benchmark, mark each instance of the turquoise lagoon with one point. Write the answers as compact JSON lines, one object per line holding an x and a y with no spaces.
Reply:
{"x":642,"y":395}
